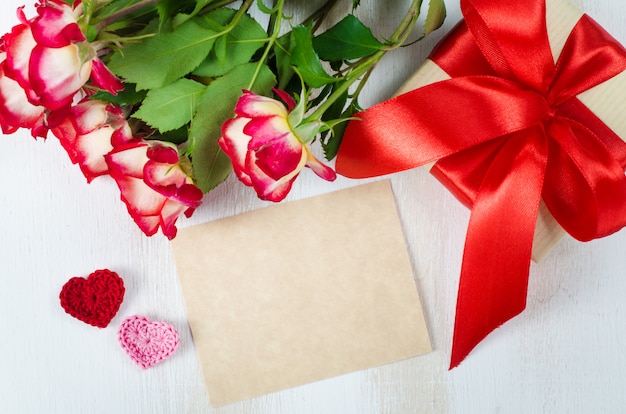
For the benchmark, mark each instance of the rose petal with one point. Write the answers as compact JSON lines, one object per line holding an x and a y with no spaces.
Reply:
{"x":56,"y":25}
{"x":286,"y":98}
{"x":265,"y":186}
{"x":128,"y":159}
{"x":322,"y":170}
{"x":40,"y":129}
{"x":148,"y":224}
{"x":278,"y":151}
{"x":122,"y":135}
{"x":251,"y":105}
{"x":65,"y":131}
{"x":159,"y":174}
{"x":266,"y":129}
{"x":140,"y":199}
{"x":189,"y":195}
{"x":235,"y":144}
{"x":57,"y":74}
{"x":91,"y":149}
{"x":163,"y":154}
{"x":89,"y":115}
{"x":103,"y":78}
{"x":19,"y":45}
{"x":15,"y":109}
{"x":169,"y":214}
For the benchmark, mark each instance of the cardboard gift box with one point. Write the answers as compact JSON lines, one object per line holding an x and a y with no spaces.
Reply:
{"x":518,"y":112}
{"x":606,"y":100}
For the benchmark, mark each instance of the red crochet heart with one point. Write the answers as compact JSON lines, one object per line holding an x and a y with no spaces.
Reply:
{"x":94,"y":300}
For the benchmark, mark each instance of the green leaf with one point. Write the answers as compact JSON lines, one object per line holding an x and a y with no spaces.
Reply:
{"x":169,"y":8}
{"x":306,"y":61}
{"x":435,"y":17}
{"x":220,"y":49}
{"x":331,"y":139}
{"x":336,"y":109}
{"x":236,"y":47}
{"x":210,"y":165}
{"x":113,"y":6}
{"x":183,"y":17}
{"x":348,"y":39}
{"x":128,"y":96}
{"x":172,"y":106}
{"x":116,"y":5}
{"x":177,"y":136}
{"x":162,"y":59}
{"x":332,"y":144}
{"x":283,"y":49}
{"x":88,"y":6}
{"x":321,"y":97}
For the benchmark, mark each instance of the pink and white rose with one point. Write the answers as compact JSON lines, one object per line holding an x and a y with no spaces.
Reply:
{"x":50,"y":58}
{"x":155,"y":184}
{"x":90,"y":131}
{"x":266,"y":151}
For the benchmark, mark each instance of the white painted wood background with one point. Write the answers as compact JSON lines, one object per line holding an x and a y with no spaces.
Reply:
{"x":564,"y":354}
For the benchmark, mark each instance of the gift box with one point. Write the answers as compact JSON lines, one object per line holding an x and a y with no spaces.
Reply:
{"x":606,"y":100}
{"x":518,"y":112}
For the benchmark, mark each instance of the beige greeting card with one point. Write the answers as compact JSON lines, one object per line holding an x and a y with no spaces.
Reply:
{"x":299,"y":292}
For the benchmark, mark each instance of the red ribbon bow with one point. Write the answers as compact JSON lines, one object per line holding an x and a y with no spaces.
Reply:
{"x":506,"y":131}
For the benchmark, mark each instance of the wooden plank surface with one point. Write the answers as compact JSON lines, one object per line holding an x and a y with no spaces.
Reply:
{"x":565,"y":354}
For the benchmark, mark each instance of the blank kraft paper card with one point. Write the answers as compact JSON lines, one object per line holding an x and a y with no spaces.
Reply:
{"x":299,"y":292}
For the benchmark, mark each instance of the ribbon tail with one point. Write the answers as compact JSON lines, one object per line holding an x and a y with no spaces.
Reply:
{"x":498,"y":246}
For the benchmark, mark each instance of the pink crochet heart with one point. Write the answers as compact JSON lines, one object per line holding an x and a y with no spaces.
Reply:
{"x":147,"y":343}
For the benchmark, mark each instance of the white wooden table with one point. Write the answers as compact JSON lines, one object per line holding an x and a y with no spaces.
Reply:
{"x":564,"y":354}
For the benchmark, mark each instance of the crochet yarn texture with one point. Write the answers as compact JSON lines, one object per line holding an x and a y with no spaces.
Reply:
{"x":94,"y":300}
{"x":147,"y":343}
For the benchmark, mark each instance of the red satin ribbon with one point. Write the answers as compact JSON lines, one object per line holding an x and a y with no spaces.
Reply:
{"x":506,"y":131}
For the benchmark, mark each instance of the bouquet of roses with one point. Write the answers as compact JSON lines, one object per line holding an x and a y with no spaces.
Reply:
{"x":168,"y":97}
